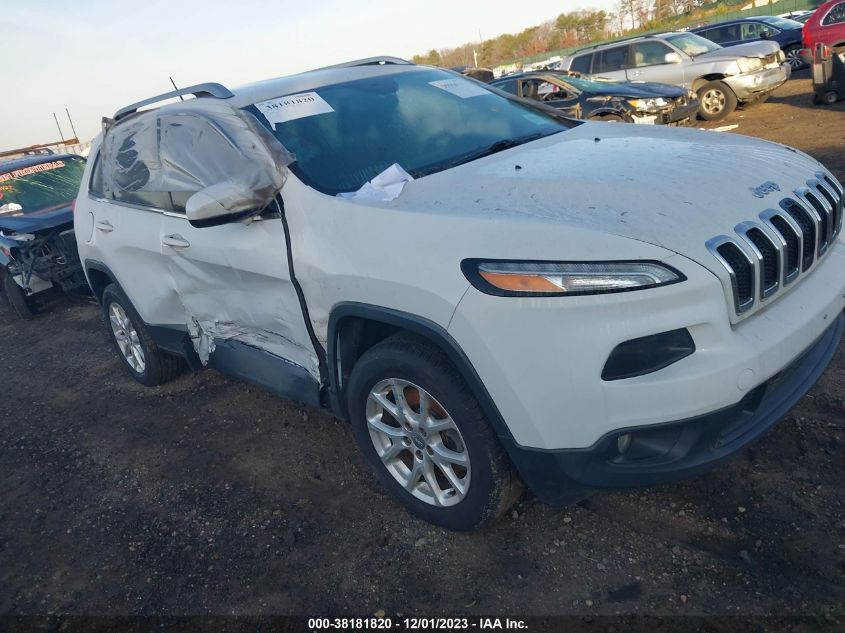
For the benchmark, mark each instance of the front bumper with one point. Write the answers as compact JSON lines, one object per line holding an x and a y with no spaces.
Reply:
{"x":672,"y":115}
{"x":675,"y":450}
{"x":752,"y":85}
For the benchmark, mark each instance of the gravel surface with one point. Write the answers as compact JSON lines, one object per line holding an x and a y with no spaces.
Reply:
{"x":211,"y":496}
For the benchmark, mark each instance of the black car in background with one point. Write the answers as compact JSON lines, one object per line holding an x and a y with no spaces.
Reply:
{"x":582,"y":98}
{"x":38,"y":254}
{"x":787,"y":34}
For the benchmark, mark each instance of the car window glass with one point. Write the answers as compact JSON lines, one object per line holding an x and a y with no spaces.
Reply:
{"x":729,"y":33}
{"x":650,"y":53}
{"x":426,"y":120}
{"x":753,"y":30}
{"x":507,"y":86}
{"x":581,"y":64}
{"x":692,"y":44}
{"x":714,"y":35}
{"x":95,"y":185}
{"x":836,"y":15}
{"x":611,"y":60}
{"x":44,"y":186}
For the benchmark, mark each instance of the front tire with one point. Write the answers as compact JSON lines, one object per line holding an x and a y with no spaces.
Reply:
{"x":23,"y":306}
{"x":136,"y":348}
{"x":424,"y":434}
{"x":716,"y":101}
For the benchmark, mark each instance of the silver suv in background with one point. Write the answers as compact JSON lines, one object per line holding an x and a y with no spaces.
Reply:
{"x":722,"y":77}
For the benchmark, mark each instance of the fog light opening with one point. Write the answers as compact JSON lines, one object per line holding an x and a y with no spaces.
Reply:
{"x":623,"y":443}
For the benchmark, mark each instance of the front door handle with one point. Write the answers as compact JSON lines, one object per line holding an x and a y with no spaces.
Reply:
{"x":637,"y":73}
{"x":105,"y":226}
{"x":175,"y":241}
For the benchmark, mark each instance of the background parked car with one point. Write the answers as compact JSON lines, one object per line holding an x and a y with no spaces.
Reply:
{"x":798,"y":16}
{"x":826,"y":26}
{"x":585,"y":98}
{"x":37,"y":245}
{"x":787,"y":34}
{"x":721,"y":77}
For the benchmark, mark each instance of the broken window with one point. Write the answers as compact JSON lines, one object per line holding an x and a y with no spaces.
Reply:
{"x":162,"y":157}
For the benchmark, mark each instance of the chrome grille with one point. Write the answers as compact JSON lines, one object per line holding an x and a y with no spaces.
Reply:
{"x":765,"y":256}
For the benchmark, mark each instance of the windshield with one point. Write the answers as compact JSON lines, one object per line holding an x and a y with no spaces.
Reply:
{"x":41,"y":187}
{"x":424,"y":120}
{"x":781,"y":23}
{"x":692,"y":44}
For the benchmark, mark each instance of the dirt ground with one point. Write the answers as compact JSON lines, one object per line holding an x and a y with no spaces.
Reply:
{"x":211,"y":496}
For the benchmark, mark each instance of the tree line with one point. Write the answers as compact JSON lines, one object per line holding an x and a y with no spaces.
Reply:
{"x":569,"y":30}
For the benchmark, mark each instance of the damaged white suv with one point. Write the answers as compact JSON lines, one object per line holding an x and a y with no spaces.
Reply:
{"x":491,"y":293}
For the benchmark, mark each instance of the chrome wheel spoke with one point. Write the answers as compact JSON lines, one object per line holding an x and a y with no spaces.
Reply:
{"x":413,"y":476}
{"x":431,"y":480}
{"x":395,"y":432}
{"x":456,"y":482}
{"x":387,"y":405}
{"x":393,"y":451}
{"x":448,"y":456}
{"x":435,"y":425}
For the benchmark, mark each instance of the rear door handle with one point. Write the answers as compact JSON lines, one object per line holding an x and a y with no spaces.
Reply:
{"x":175,"y":241}
{"x":105,"y":226}
{"x":637,"y":73}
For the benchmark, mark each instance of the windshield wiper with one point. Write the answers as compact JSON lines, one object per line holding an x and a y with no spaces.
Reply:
{"x":493,"y":148}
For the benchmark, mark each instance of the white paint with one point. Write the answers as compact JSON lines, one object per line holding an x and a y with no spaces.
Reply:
{"x":594,"y":192}
{"x":293,"y":107}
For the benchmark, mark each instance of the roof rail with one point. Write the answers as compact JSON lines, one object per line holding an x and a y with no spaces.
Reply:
{"x":620,"y":40}
{"x":370,"y":61}
{"x":217,"y":91}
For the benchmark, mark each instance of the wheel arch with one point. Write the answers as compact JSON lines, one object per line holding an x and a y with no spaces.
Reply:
{"x":99,"y":277}
{"x":355,"y":327}
{"x":698,"y":83}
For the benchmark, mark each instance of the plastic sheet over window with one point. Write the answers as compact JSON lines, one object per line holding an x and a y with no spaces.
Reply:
{"x":162,"y":156}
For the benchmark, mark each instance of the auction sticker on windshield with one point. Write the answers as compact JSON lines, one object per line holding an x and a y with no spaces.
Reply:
{"x":460,"y":88}
{"x":292,"y":107}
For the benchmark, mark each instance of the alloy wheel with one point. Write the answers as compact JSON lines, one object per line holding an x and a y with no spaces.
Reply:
{"x":418,"y":442}
{"x":713,"y":101}
{"x":793,"y":58}
{"x":126,"y":337}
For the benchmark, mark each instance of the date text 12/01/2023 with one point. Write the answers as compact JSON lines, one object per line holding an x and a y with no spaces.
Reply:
{"x":415,"y":624}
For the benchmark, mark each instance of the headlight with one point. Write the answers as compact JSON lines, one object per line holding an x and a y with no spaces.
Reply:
{"x":749,"y":64}
{"x":648,"y":104}
{"x":535,"y":279}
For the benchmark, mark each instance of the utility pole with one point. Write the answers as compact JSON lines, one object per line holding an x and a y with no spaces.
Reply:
{"x":59,"y":126}
{"x":73,"y":129}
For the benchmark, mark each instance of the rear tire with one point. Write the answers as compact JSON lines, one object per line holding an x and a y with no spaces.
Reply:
{"x":793,"y":57}
{"x":23,"y":306}
{"x":136,"y":348}
{"x":716,"y":101}
{"x":830,"y":97}
{"x":441,"y":460}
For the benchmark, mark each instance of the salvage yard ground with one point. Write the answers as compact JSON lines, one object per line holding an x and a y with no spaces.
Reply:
{"x":210,"y":496}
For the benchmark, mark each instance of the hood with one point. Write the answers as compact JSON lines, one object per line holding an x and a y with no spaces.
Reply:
{"x":758,"y":48}
{"x":37,"y":221}
{"x":674,"y":188}
{"x":642,"y":90}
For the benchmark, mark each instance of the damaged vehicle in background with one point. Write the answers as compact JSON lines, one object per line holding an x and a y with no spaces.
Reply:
{"x":721,"y":77}
{"x":492,"y":293}
{"x":38,"y":254}
{"x":584,"y":98}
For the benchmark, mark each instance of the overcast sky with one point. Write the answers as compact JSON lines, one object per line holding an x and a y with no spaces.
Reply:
{"x":95,"y":56}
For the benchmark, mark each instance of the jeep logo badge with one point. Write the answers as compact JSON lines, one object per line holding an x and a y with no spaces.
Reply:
{"x":765,"y":189}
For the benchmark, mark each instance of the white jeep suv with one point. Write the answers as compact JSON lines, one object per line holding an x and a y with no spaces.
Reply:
{"x":491,"y":293}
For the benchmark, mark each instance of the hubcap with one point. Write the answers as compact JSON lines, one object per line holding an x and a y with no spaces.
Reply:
{"x":713,"y":101}
{"x":126,"y":337}
{"x":418,"y":442}
{"x":794,"y":58}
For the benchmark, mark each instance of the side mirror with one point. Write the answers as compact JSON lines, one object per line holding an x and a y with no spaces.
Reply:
{"x":765,"y":34}
{"x":220,"y":203}
{"x":672,"y":58}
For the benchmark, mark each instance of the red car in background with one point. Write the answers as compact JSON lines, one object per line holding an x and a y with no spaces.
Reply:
{"x":825,"y":26}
